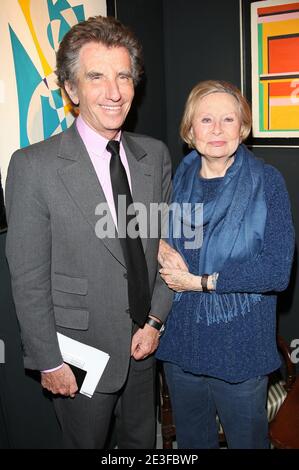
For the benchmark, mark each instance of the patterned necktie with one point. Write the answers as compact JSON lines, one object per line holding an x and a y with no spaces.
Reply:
{"x":137,"y":273}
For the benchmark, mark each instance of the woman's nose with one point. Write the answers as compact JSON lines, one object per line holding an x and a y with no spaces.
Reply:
{"x":217,"y":127}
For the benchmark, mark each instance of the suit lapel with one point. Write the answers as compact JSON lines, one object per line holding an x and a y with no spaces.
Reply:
{"x":141,"y":178}
{"x":81,"y":182}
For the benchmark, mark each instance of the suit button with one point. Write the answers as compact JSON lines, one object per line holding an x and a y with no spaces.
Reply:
{"x":127,"y":310}
{"x":126,"y":275}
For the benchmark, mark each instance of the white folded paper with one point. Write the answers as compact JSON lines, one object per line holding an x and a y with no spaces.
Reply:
{"x":85,"y":357}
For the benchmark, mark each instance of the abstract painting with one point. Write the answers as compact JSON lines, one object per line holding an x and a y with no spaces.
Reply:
{"x":32,"y":106}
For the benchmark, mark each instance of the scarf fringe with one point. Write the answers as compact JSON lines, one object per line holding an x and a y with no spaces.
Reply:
{"x":224,"y":307}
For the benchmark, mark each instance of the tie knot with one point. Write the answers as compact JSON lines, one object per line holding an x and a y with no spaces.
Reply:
{"x":113,"y":147}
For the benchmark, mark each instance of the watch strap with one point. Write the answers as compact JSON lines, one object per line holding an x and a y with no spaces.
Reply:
{"x":204,"y":282}
{"x":155,"y":324}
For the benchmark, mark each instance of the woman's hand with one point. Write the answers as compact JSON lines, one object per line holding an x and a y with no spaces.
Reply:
{"x":168,"y":257}
{"x":180,"y":281}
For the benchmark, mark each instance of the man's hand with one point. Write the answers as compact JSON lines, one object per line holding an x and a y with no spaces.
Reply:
{"x":60,"y":382}
{"x":144,"y":342}
{"x":168,"y":257}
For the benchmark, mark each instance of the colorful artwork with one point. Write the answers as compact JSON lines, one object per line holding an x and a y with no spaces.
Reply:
{"x":275,"y":68}
{"x":32,"y":107}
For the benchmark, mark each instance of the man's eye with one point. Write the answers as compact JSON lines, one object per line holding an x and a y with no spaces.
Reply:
{"x":125,"y":77}
{"x":95,"y":76}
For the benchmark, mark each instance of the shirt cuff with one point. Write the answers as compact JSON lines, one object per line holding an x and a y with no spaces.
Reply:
{"x":52,"y":370}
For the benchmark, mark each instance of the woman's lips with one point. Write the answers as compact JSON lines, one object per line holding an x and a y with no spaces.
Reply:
{"x":217,"y":143}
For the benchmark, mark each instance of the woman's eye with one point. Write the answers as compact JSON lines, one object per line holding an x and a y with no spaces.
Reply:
{"x":229,"y":119}
{"x":206,"y":120}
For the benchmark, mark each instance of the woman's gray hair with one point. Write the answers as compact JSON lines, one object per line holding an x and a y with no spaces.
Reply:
{"x":205,"y":88}
{"x":100,"y":29}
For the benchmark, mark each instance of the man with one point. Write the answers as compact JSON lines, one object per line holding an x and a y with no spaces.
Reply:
{"x":66,"y":278}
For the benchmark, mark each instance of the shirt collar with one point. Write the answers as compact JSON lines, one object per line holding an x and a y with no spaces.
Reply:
{"x":94,"y":142}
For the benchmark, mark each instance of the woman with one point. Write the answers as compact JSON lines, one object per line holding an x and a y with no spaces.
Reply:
{"x":220,"y":338}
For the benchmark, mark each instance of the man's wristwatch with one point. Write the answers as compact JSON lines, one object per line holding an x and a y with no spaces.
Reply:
{"x":155,"y":324}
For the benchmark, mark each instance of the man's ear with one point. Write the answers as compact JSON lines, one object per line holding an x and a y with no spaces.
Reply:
{"x":72,"y":92}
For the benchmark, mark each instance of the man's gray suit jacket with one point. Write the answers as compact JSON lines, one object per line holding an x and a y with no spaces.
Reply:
{"x":64,"y":277}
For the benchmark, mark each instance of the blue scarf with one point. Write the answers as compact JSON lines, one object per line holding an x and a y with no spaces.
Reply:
{"x":236,"y":220}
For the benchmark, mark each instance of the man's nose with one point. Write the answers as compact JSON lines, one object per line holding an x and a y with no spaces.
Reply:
{"x":112,"y":91}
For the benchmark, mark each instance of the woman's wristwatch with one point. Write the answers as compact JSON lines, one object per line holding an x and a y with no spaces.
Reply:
{"x":156,"y":324}
{"x":214,"y":278}
{"x":209,"y":280}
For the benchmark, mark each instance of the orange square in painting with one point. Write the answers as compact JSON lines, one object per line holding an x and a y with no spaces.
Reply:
{"x":278,"y":9}
{"x":280,"y":89}
{"x":284,"y":54}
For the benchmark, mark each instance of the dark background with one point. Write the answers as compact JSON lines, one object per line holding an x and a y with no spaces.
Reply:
{"x":184,"y":41}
